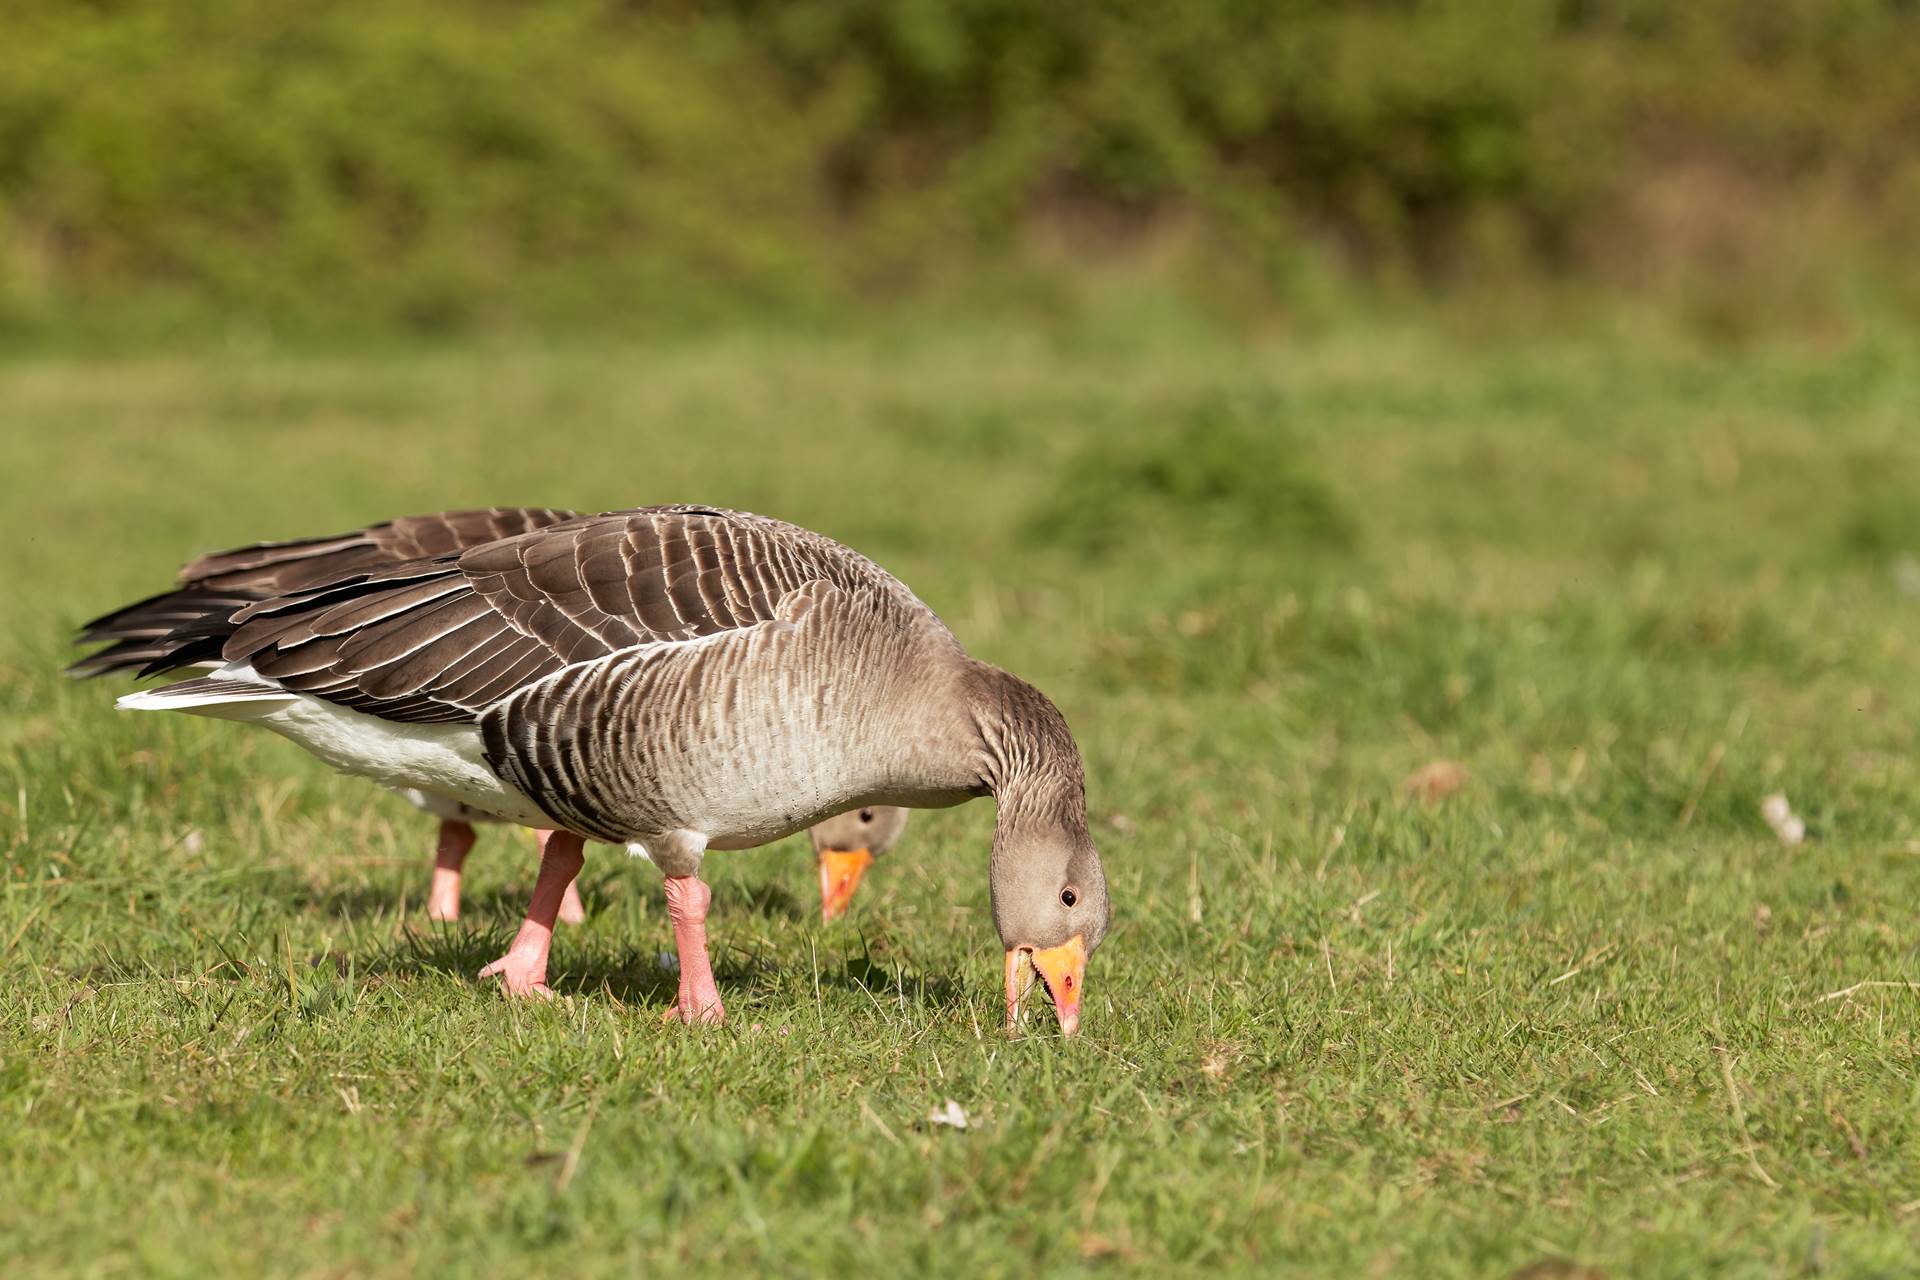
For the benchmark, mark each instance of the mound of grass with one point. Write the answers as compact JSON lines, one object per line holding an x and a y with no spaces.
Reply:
{"x":1233,"y":476}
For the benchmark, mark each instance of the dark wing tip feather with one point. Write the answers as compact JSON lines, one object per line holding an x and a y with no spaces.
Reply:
{"x":223,"y":591}
{"x":127,"y":655}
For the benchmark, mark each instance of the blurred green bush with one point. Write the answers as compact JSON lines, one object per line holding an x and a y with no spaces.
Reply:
{"x":433,"y":162}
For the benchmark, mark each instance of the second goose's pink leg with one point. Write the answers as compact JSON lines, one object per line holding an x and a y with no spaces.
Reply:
{"x":523,"y":970}
{"x":572,"y":910}
{"x":456,"y":841}
{"x":687,"y":900}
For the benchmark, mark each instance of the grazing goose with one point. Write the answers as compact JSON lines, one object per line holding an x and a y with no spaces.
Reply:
{"x":678,"y":678}
{"x":225,"y":581}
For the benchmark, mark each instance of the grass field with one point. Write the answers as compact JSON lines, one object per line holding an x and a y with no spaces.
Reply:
{"x":1579,"y":1013}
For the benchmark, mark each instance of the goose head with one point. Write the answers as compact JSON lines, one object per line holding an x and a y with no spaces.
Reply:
{"x":1050,"y":906}
{"x":1049,"y":889}
{"x":847,"y":846}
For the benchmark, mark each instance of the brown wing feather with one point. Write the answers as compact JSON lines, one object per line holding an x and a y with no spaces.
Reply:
{"x":445,"y":638}
{"x":281,"y":568}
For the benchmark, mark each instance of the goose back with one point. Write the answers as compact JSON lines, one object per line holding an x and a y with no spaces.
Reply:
{"x":443,"y":638}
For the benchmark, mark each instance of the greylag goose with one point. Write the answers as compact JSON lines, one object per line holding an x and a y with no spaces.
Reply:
{"x":225,"y":581}
{"x":677,"y":678}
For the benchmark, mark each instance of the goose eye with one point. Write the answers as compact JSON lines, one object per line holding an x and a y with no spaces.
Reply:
{"x":1068,"y":897}
{"x":866,"y":815}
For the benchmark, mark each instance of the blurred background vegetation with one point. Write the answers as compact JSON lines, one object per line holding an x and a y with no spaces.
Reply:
{"x":436,"y":165}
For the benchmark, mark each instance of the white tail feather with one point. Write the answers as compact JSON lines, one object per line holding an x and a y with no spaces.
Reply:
{"x":227,"y":699}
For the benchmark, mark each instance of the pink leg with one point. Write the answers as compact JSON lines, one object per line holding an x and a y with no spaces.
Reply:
{"x":687,"y":902}
{"x":523,"y":970}
{"x":456,"y":841}
{"x":572,"y":910}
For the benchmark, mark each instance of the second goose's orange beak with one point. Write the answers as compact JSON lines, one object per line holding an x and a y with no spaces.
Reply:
{"x":840,"y":872}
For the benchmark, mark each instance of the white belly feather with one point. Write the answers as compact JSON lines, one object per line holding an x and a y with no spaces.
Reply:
{"x":440,"y":760}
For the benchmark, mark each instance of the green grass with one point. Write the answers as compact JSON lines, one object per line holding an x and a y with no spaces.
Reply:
{"x":1572,"y":1011}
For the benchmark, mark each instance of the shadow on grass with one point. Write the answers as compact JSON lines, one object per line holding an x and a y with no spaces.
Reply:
{"x":770,"y":901}
{"x":508,"y":904}
{"x":639,"y":976}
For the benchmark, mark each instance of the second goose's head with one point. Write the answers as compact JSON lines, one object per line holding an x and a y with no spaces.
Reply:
{"x":847,"y":846}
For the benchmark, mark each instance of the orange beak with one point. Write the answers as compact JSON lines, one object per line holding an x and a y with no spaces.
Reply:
{"x":840,"y":872}
{"x":1062,"y":968}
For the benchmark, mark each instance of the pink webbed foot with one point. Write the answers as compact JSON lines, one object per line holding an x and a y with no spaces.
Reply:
{"x":687,"y":901}
{"x":449,"y":856}
{"x":691,"y":1008}
{"x":523,"y":970}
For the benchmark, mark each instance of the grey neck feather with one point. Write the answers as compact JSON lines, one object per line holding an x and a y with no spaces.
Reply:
{"x":1028,"y":758}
